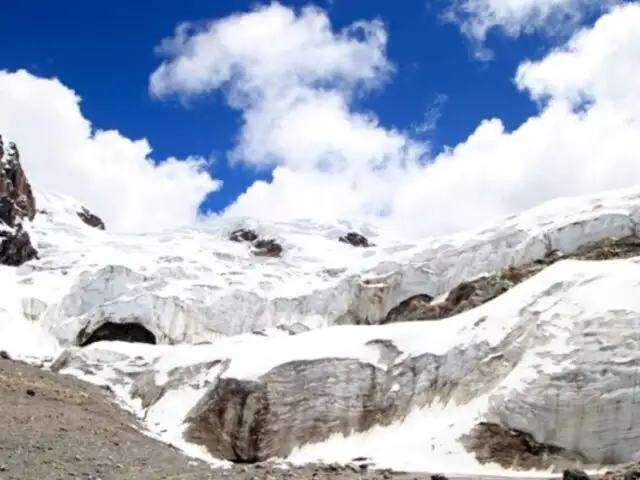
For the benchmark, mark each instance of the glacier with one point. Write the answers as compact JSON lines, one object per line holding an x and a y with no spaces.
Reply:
{"x":556,"y":356}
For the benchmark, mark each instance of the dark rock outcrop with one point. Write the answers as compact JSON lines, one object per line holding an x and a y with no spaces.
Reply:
{"x":243,"y":235}
{"x":356,"y":240}
{"x":17,"y":203}
{"x":472,"y":294}
{"x":262,"y":247}
{"x":123,"y":332}
{"x":16,"y":247}
{"x":573,"y":474}
{"x":493,"y":443}
{"x":91,"y":219}
{"x":267,"y":248}
{"x":409,"y":309}
{"x":15,"y":186}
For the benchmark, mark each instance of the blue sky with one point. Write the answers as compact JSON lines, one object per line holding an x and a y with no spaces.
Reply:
{"x":107,"y":54}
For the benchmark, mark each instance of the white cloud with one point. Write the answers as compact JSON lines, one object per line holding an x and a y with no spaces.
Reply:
{"x":108,"y":172}
{"x":334,"y":162}
{"x":276,"y":67}
{"x":270,"y":48}
{"x":294,"y":78}
{"x":515,"y":17}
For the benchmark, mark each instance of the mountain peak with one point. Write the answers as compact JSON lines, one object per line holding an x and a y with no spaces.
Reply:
{"x":16,"y":203}
{"x":15,"y":189}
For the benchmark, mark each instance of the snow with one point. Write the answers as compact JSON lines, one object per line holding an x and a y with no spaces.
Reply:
{"x":202,"y":296}
{"x":427,"y":438}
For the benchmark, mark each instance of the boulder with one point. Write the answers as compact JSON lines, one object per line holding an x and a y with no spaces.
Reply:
{"x":243,"y":235}
{"x":91,"y":219}
{"x":356,"y":240}
{"x":574,"y":474}
{"x":261,"y":247}
{"x":267,"y":248}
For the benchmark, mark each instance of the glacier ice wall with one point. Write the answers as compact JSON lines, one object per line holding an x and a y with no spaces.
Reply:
{"x":556,"y":357}
{"x":195,"y":285}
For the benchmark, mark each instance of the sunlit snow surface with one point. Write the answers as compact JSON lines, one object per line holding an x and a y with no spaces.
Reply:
{"x":194,"y":285}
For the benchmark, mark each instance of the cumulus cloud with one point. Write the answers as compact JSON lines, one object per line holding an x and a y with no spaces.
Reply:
{"x":110,"y":173}
{"x":301,"y":49}
{"x":516,"y":17}
{"x":292,"y":77}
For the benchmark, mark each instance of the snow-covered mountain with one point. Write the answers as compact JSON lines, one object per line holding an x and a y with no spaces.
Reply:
{"x":512,"y":347}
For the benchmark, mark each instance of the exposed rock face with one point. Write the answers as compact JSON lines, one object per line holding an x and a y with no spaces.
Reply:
{"x":356,"y":240}
{"x":267,"y":248}
{"x":493,"y":443}
{"x":91,"y":219}
{"x":16,"y":204}
{"x":262,"y":247}
{"x":243,"y":235}
{"x":409,"y":309}
{"x":15,"y":186}
{"x":471,"y":294}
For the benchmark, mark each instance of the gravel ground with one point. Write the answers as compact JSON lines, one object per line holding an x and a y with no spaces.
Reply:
{"x":59,"y":427}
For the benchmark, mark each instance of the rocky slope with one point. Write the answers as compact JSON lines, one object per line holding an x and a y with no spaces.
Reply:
{"x":246,"y":341}
{"x":16,"y":204}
